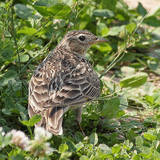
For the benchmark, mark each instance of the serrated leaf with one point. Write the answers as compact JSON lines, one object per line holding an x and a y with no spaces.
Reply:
{"x":135,"y":80}
{"x":93,"y":138}
{"x":63,"y":148}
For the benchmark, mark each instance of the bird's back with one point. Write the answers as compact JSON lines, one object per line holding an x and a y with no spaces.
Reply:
{"x":61,"y":80}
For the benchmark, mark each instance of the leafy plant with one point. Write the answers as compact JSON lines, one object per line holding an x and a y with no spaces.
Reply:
{"x":124,"y":122}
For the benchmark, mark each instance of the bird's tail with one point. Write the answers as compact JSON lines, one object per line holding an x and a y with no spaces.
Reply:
{"x":52,"y":119}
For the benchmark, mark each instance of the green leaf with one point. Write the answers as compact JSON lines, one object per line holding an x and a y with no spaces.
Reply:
{"x":79,"y":146}
{"x":153,"y":64}
{"x":135,"y":80}
{"x":149,"y":136}
{"x":9,"y":75}
{"x":83,"y":157}
{"x":71,"y":146}
{"x":105,"y":31}
{"x":59,"y":11}
{"x":23,"y":58}
{"x":131,"y":27}
{"x":111,"y":108}
{"x":127,"y":71}
{"x":100,"y":27}
{"x":109,"y":4}
{"x":156,"y":12}
{"x":105,"y":149}
{"x":103,"y":47}
{"x":68,"y":2}
{"x":123,"y":104}
{"x":79,"y":136}
{"x":20,"y":108}
{"x":114,"y":31}
{"x":116,"y":149}
{"x":47,"y":3}
{"x":139,"y":141}
{"x":3,"y":156}
{"x":93,"y":138}
{"x":6,"y":111}
{"x":152,"y":21}
{"x":150,"y":99}
{"x":22,"y":11}
{"x":18,"y":157}
{"x":141,"y":10}
{"x":9,"y":102}
{"x":32,"y":121}
{"x":7,"y":54}
{"x":27,"y":31}
{"x":83,"y":25}
{"x":103,"y":13}
{"x":63,"y":148}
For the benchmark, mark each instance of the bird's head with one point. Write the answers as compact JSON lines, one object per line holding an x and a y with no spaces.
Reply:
{"x":79,"y":41}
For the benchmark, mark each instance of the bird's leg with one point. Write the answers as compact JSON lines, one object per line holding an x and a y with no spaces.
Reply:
{"x":79,"y":118}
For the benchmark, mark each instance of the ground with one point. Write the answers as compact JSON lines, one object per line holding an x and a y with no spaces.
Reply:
{"x":150,"y":5}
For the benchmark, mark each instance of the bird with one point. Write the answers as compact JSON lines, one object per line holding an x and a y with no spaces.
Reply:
{"x":64,"y":80}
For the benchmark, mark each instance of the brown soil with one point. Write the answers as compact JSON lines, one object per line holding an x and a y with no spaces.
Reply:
{"x":150,"y":5}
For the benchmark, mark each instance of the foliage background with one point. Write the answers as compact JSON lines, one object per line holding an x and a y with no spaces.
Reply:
{"x":124,"y":122}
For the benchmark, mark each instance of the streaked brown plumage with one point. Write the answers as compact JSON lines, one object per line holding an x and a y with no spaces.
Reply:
{"x":64,"y":79}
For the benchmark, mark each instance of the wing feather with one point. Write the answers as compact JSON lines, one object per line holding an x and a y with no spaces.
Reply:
{"x":58,"y":84}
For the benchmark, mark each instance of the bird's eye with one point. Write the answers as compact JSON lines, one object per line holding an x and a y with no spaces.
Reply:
{"x":82,"y":38}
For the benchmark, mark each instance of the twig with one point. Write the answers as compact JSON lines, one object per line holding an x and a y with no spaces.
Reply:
{"x":122,"y":51}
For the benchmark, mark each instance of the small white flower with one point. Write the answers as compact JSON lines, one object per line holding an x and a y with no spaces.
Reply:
{"x":48,"y":149}
{"x":38,"y":146}
{"x":41,"y":133}
{"x":19,"y":139}
{"x":2,"y":132}
{"x":1,"y":129}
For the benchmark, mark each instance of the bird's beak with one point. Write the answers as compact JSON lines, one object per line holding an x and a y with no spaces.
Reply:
{"x":100,"y":40}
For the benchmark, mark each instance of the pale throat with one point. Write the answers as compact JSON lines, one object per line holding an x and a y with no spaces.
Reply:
{"x":76,"y":49}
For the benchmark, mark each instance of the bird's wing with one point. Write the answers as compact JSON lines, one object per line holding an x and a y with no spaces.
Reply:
{"x":55,"y":86}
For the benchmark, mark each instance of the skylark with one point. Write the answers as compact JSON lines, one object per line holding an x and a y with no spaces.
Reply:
{"x":64,"y":79}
